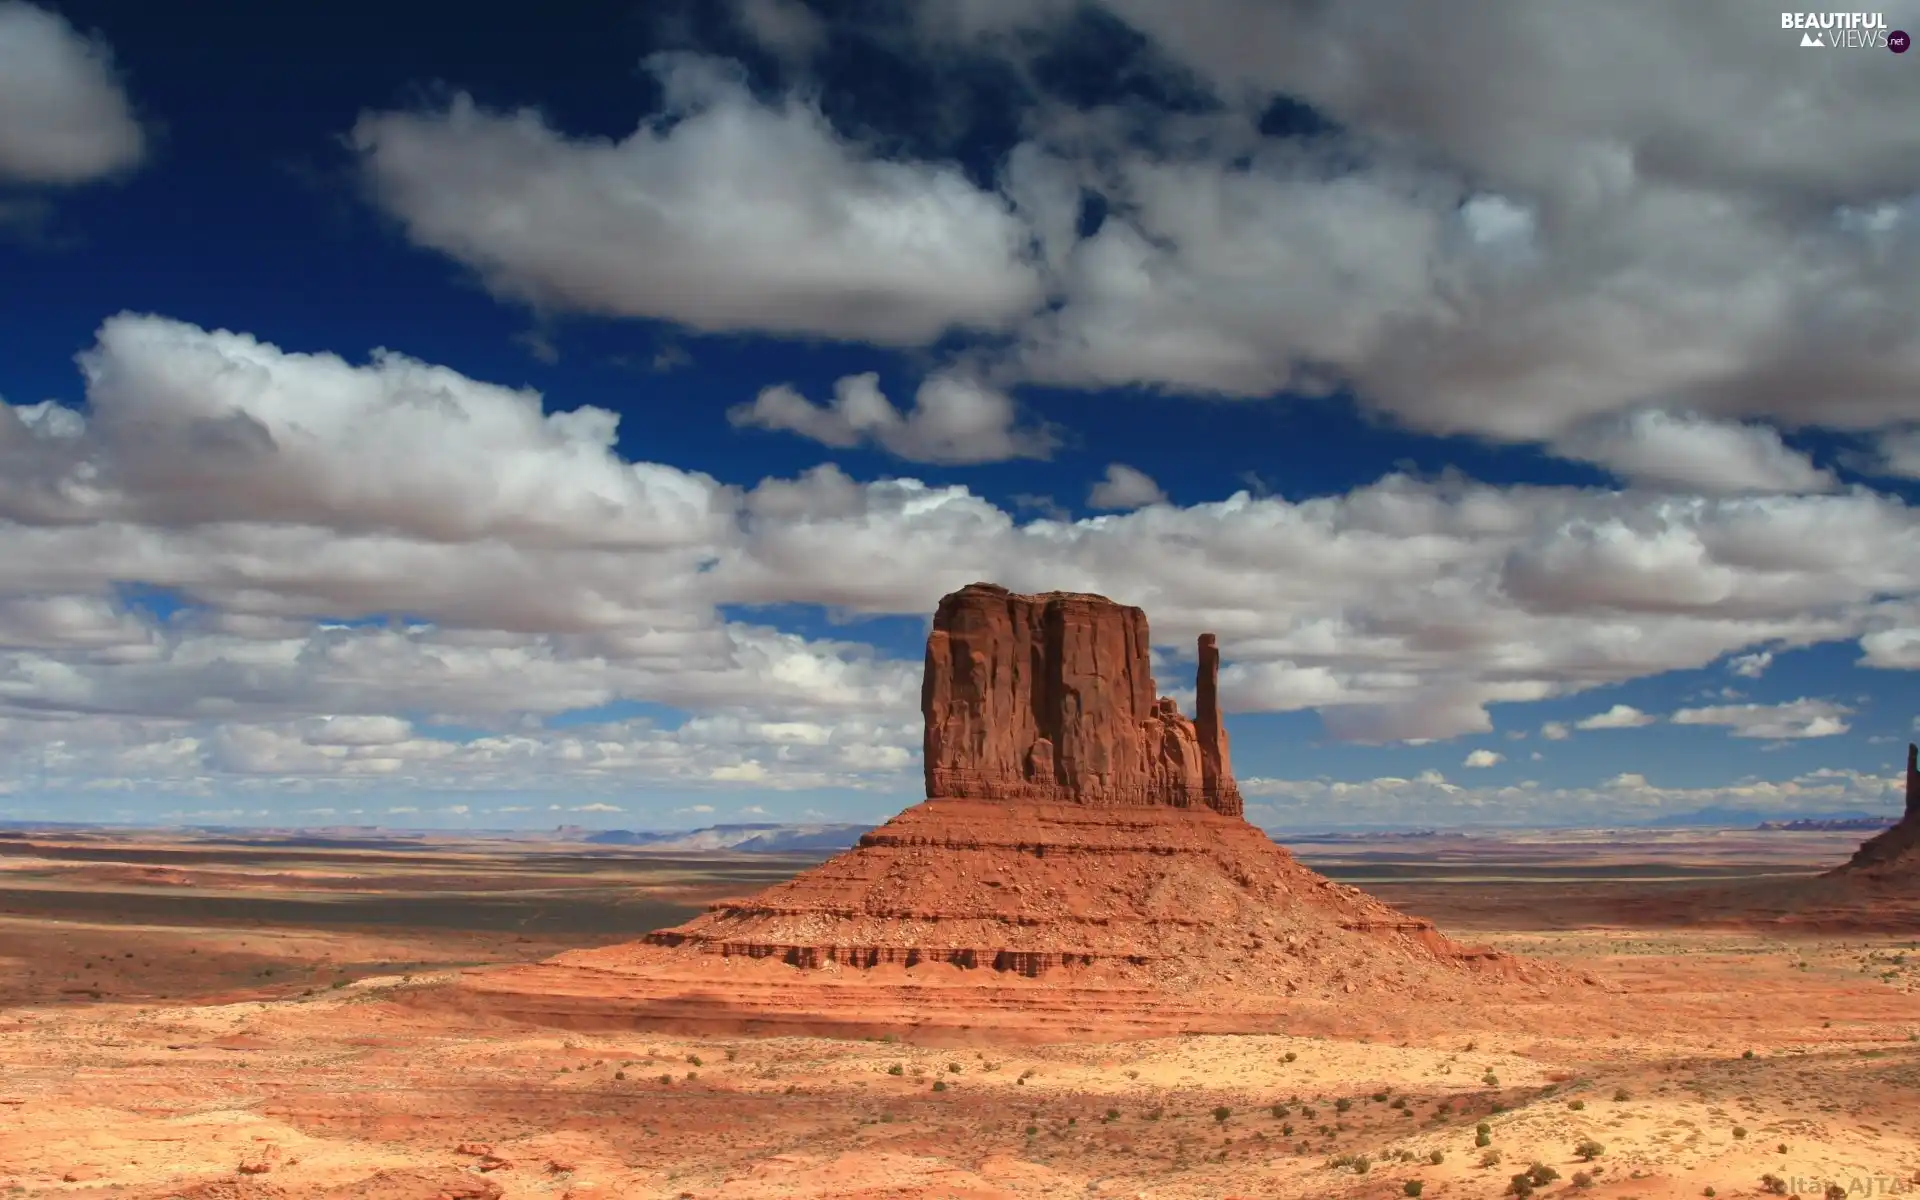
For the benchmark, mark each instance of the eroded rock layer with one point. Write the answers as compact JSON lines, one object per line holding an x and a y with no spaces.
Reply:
{"x":1051,"y":698}
{"x":1146,"y":894}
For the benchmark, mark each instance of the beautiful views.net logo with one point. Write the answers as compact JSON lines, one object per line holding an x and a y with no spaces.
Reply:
{"x":1848,"y":30}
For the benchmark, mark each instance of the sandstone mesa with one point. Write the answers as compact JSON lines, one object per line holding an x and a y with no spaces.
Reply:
{"x":1081,"y":835}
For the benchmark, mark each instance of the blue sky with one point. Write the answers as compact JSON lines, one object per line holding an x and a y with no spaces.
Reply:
{"x":428,"y":418}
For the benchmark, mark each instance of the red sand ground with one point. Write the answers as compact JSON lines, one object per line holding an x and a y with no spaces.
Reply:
{"x":400,"y":1088}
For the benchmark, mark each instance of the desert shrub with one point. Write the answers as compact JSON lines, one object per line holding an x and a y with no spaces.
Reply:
{"x":954,"y":1067}
{"x":1739,"y":1132}
{"x":1490,"y":1079}
{"x":1836,"y":1192}
{"x":1622,"y":1094}
{"x":1782,"y":1148}
{"x":1279,"y":1110}
{"x":1483,"y":1139}
{"x":896,"y":1069}
{"x":1032,"y":1130}
{"x":1362,"y":1164}
{"x":1152,"y":1114}
{"x":939,"y":1085}
{"x":1483,"y":1127}
{"x":1436,"y":1157}
{"x":1399,"y":1102}
{"x":1582,"y":1180}
{"x":1113,"y":1114}
{"x":1130,"y":1074}
{"x":666,"y":1079}
{"x":1289,"y":1056}
{"x":1490,"y":1159}
{"x":1589,"y":1150}
{"x":619,"y":1074}
{"x":1286,"y":1131}
{"x":693,"y":1060}
{"x":1520,"y":1185}
{"x":1379,"y":1097}
{"x":1773,"y":1185}
{"x":1748,"y":1054}
{"x":1412,"y":1187}
{"x":1541,"y":1174}
{"x":1577,"y":1105}
{"x":1342,"y":1104}
{"x":1221,"y":1114}
{"x":1709,"y":1193}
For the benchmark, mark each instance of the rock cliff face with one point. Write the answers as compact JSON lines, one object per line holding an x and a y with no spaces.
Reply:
{"x":1897,"y":850}
{"x":1051,"y":699}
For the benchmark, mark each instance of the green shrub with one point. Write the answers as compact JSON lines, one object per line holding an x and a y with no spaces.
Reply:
{"x":1032,"y":1130}
{"x":1412,"y":1187}
{"x":939,"y":1085}
{"x":1582,"y":1180}
{"x":1589,"y":1150}
{"x":1773,"y":1185}
{"x":1520,"y":1185}
{"x":1113,"y":1114}
{"x":896,"y":1069}
{"x":1289,"y":1056}
{"x":1483,"y":1139}
{"x":1436,"y":1157}
{"x":1483,"y":1127}
{"x":1490,"y":1079}
{"x":1279,"y":1111}
{"x":1342,"y":1104}
{"x":1221,"y":1114}
{"x":1379,"y":1097}
{"x":1577,"y":1105}
{"x":1739,"y":1132}
{"x":1490,"y":1159}
{"x":1622,"y":1094}
{"x":1541,"y":1174}
{"x":693,"y":1060}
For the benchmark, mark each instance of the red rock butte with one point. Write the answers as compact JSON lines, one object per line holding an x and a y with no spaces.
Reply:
{"x":1895,"y":853}
{"x":1051,"y":699}
{"x":1081,"y":835}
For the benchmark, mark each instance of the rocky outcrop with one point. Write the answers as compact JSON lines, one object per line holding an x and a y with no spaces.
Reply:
{"x":1078,"y":828}
{"x":1898,"y":849}
{"x":1051,"y":699}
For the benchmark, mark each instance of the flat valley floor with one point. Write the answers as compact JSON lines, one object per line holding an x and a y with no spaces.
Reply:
{"x":224,"y":1019}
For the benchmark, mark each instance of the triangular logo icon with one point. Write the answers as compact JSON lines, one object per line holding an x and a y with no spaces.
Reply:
{"x":1813,"y":39}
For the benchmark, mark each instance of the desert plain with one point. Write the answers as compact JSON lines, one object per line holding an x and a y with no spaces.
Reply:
{"x":228,"y":1017}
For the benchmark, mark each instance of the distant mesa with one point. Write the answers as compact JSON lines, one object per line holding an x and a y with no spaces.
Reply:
{"x":1080,"y":831}
{"x":1896,"y":852}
